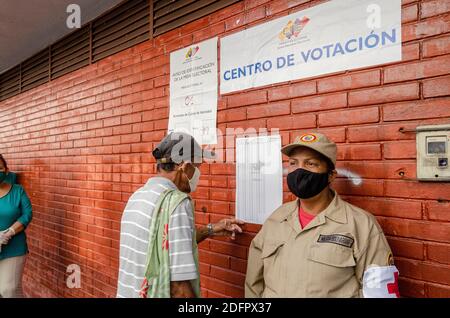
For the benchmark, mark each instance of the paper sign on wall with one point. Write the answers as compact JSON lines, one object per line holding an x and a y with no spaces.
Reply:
{"x":259,"y":183}
{"x":193,"y":91}
{"x":331,"y":37}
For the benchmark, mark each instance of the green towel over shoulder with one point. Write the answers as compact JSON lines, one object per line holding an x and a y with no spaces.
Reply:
{"x":157,"y":275}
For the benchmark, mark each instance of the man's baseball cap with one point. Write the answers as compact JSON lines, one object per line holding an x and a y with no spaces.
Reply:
{"x":315,"y":141}
{"x":180,"y":147}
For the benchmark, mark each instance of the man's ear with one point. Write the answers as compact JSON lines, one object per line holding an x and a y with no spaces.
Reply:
{"x":332,"y":176}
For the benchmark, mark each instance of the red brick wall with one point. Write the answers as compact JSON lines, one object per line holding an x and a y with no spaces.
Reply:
{"x":82,"y":145}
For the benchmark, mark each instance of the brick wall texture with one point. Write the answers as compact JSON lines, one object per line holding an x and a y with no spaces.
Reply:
{"x":81,"y":145}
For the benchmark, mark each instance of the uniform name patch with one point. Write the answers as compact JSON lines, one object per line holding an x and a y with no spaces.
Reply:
{"x":336,"y":239}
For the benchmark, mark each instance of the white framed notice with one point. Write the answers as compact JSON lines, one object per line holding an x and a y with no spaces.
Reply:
{"x":193,"y":91}
{"x":259,"y":177}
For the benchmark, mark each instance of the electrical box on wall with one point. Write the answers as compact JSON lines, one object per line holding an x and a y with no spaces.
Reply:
{"x":433,"y":153}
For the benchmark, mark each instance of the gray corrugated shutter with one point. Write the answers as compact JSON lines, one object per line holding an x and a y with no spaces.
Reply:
{"x":170,"y":14}
{"x":35,"y":70}
{"x":10,"y":83}
{"x":120,"y":29}
{"x":70,"y":53}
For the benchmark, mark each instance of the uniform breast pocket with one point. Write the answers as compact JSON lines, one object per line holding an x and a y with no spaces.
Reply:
{"x":271,"y":257}
{"x":332,"y":269}
{"x":332,"y":255}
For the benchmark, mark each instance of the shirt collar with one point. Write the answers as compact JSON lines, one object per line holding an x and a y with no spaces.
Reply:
{"x":164,"y":182}
{"x":288,"y":209}
{"x":334,"y":211}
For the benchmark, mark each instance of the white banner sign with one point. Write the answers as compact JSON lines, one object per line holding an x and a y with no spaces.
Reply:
{"x":334,"y":36}
{"x":193,"y":91}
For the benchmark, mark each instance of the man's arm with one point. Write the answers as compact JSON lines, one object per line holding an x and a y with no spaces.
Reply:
{"x":181,"y":289}
{"x":201,"y":233}
{"x":375,"y":269}
{"x":182,"y":257}
{"x":225,"y":227}
{"x":254,"y":279}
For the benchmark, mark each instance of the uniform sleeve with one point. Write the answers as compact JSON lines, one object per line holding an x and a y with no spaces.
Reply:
{"x":375,"y":267}
{"x":254,"y":279}
{"x":181,"y":230}
{"x":25,"y":209}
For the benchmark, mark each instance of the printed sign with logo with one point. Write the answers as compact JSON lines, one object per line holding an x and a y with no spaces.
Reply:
{"x":335,"y":36}
{"x":193,"y":91}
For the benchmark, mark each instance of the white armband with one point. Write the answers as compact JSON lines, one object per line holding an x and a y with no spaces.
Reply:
{"x":381,"y":282}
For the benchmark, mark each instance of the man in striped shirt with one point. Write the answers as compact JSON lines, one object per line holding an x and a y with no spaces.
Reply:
{"x":178,"y":159}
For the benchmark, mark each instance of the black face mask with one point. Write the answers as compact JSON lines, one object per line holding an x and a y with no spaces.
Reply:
{"x":306,"y":184}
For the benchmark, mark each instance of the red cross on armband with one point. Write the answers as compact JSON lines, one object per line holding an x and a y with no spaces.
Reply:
{"x":393,"y":287}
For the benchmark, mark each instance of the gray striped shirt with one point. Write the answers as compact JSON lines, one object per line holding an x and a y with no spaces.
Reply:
{"x":134,"y":234}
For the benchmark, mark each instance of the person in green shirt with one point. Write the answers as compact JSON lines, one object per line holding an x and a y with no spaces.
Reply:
{"x":15,"y":215}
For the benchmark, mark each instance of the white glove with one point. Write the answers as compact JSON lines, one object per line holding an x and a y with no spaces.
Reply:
{"x":3,"y":238}
{"x":6,"y":235}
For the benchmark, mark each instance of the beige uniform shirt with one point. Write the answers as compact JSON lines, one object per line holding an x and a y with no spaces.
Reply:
{"x":327,"y":258}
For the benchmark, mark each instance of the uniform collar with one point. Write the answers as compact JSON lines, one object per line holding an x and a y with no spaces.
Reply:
{"x":291,"y":216}
{"x":334,"y":211}
{"x":288,"y":209}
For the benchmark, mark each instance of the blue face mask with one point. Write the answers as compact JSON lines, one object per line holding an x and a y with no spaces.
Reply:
{"x":3,"y":175}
